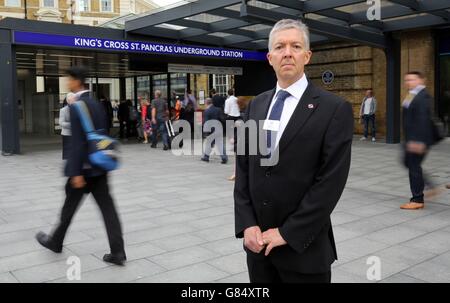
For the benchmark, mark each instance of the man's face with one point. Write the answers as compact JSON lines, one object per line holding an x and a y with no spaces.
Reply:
{"x":288,"y":56}
{"x":411,"y":81}
{"x":368,"y":93}
{"x":73,"y":84}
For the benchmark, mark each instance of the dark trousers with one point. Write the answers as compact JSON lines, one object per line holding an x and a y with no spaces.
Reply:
{"x":261,"y":270}
{"x":369,"y":119}
{"x":160,"y":127}
{"x":65,"y":147}
{"x":98,"y":186}
{"x":417,"y":179}
{"x":124,"y":124}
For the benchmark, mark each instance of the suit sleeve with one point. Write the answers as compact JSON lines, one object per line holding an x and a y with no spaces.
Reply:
{"x":421,"y":125}
{"x":243,"y":209}
{"x":313,"y":213}
{"x":75,"y":161}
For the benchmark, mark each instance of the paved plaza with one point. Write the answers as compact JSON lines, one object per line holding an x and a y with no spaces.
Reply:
{"x":177,"y":215}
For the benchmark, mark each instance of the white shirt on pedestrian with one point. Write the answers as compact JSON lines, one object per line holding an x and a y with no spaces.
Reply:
{"x":231,"y":107}
{"x":367,"y":105}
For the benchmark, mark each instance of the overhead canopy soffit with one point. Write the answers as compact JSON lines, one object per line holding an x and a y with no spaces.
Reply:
{"x":247,"y":24}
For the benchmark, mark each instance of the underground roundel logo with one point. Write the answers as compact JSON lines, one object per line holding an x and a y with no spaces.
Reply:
{"x":327,"y":77}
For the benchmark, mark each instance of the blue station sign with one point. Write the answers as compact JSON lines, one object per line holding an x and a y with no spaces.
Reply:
{"x":135,"y":46}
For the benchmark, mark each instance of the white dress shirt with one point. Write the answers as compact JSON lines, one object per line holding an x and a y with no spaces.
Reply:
{"x":296,"y":90}
{"x":411,"y":95}
{"x":81,"y":92}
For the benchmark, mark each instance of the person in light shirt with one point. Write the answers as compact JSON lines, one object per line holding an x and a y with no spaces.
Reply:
{"x":367,"y":114}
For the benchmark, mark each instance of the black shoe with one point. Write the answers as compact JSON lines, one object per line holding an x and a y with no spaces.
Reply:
{"x":165,"y":147}
{"x":118,"y":259}
{"x":153,"y":146}
{"x":224,"y":161}
{"x":47,"y":241}
{"x":205,"y":159}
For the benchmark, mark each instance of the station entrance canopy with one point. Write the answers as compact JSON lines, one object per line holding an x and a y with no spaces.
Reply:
{"x":246,"y":24}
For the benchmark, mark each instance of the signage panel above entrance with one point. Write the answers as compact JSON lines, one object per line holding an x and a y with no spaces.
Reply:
{"x":204,"y":69}
{"x":135,"y":46}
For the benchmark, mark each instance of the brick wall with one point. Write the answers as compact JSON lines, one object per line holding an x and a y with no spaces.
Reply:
{"x":353,"y":67}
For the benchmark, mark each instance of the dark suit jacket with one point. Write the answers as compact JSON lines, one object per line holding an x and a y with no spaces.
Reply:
{"x":299,"y":193}
{"x":78,"y":161}
{"x":417,"y":123}
{"x":123,"y":113}
{"x":218,"y":101}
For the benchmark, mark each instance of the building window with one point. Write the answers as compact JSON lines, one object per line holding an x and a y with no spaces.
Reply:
{"x":13,"y":3}
{"x":49,"y":3}
{"x":178,"y":84}
{"x":106,"y":6}
{"x":221,"y":83}
{"x":83,"y":5}
{"x":160,"y":83}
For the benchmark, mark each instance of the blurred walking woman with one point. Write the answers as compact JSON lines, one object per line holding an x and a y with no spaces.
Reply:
{"x":64,"y":122}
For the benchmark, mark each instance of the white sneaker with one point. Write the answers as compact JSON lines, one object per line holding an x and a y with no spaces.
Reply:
{"x":363,"y":139}
{"x":373,"y":139}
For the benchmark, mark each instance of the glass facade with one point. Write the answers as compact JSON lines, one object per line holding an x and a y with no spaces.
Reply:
{"x":143,"y":87}
{"x":178,"y":84}
{"x":160,"y":83}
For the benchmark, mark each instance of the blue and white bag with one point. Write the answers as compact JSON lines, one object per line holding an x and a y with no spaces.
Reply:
{"x":102,"y":149}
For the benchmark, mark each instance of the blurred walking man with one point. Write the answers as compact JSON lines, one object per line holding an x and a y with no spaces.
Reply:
{"x":85,"y":178}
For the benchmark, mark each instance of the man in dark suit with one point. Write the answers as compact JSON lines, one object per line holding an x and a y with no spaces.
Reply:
{"x":218,"y":100}
{"x":283,"y":211}
{"x":214,"y":113}
{"x":418,"y":132}
{"x":85,"y":178}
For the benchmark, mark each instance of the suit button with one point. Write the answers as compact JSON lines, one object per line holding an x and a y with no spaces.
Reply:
{"x":265,"y":202}
{"x":268,"y":173}
{"x":305,"y":246}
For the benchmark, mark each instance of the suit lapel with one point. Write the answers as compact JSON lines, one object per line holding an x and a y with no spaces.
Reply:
{"x":305,"y":107}
{"x":263,"y":108}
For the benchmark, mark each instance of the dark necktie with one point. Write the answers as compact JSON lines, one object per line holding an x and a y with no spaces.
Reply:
{"x":275,"y":114}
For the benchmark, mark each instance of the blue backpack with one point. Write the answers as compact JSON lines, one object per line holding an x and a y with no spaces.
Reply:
{"x":102,"y":149}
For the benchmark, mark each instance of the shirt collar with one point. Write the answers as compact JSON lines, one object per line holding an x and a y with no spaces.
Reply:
{"x":296,"y":89}
{"x":417,"y":89}
{"x":81,"y":92}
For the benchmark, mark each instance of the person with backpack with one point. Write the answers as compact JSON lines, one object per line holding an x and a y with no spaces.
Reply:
{"x":85,"y":173}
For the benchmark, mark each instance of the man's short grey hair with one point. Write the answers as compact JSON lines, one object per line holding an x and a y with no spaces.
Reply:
{"x":285,"y":24}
